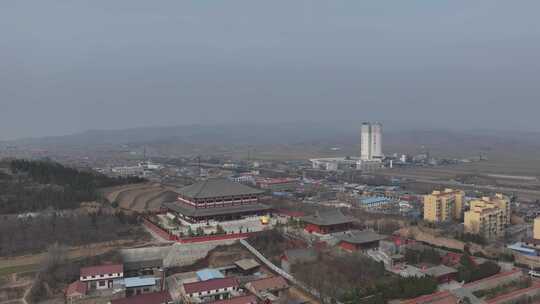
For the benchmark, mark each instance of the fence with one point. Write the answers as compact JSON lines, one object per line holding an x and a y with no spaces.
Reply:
{"x":196,"y":239}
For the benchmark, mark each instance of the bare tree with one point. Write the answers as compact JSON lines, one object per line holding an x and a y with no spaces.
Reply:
{"x":56,"y":256}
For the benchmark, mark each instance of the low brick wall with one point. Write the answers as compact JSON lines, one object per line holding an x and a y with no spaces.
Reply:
{"x":494,"y":281}
{"x":196,"y":239}
{"x":210,"y":238}
{"x":158,"y":230}
{"x":517,"y":295}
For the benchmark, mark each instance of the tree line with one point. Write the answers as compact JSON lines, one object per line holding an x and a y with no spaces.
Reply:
{"x":334,"y":277}
{"x":38,"y":185}
{"x":35,"y":234}
{"x":470,"y":272}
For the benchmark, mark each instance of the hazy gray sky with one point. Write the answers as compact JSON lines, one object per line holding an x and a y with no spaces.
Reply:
{"x":68,"y":66}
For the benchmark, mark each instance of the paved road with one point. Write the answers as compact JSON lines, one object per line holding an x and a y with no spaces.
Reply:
{"x":523,"y":193}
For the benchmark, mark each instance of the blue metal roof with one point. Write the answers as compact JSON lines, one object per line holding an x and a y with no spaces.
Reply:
{"x":520,"y":248}
{"x":208,"y":274}
{"x":373,"y":200}
{"x":139,"y":282}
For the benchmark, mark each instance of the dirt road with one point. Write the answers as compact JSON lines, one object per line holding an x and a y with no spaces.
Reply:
{"x":73,"y":253}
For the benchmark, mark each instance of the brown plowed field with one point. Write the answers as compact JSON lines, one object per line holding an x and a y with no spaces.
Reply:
{"x":140,"y":197}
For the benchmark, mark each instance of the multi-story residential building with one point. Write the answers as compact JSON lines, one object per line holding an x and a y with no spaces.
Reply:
{"x":441,"y":206}
{"x":536,"y":229}
{"x":502,"y":202}
{"x":488,"y":216}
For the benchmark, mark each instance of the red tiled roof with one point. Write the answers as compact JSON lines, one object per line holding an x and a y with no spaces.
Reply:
{"x":76,"y":287}
{"x":101,"y":269}
{"x":271,"y":283}
{"x":210,"y":285}
{"x":250,"y":299}
{"x":443,"y":297}
{"x":148,"y":298}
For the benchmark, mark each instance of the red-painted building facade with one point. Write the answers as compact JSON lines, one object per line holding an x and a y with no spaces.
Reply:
{"x":331,"y":221}
{"x":360,"y":241}
{"x":216,"y":199}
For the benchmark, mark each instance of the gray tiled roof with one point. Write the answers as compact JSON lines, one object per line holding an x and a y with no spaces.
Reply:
{"x":328,"y":217}
{"x":217,"y":187}
{"x":361,"y":237}
{"x":439,"y":270}
{"x":193,"y":212}
{"x":247,"y":264}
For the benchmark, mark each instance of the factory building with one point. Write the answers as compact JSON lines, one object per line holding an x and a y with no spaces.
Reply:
{"x":375,"y":203}
{"x":335,"y":163}
{"x":442,"y":206}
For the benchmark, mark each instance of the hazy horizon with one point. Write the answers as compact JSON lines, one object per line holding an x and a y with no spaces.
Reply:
{"x":100,"y":65}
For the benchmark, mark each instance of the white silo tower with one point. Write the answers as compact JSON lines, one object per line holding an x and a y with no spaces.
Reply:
{"x":365,"y":141}
{"x":371,"y":141}
{"x":376,"y":140}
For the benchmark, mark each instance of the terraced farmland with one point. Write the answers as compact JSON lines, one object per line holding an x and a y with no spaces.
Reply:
{"x":140,"y":197}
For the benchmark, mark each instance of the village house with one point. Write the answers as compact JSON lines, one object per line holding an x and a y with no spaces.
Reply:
{"x":212,"y":289}
{"x":75,"y":291}
{"x":270,"y":288}
{"x":248,"y":299}
{"x":247,"y":266}
{"x":141,"y":285}
{"x":162,"y":297}
{"x":102,"y":276}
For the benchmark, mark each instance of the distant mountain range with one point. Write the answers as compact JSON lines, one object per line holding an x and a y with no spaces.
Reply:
{"x":195,"y":134}
{"x":394,"y":139}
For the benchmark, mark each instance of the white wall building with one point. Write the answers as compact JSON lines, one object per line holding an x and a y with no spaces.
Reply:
{"x":101,"y":277}
{"x":371,"y":141}
{"x":128,"y":171}
{"x":334,"y":163}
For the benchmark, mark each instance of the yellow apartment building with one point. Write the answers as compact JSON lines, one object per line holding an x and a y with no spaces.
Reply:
{"x":536,"y":229}
{"x":441,"y":206}
{"x":488,"y":216}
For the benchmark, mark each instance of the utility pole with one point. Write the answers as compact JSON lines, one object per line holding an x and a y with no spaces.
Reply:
{"x":199,"y":164}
